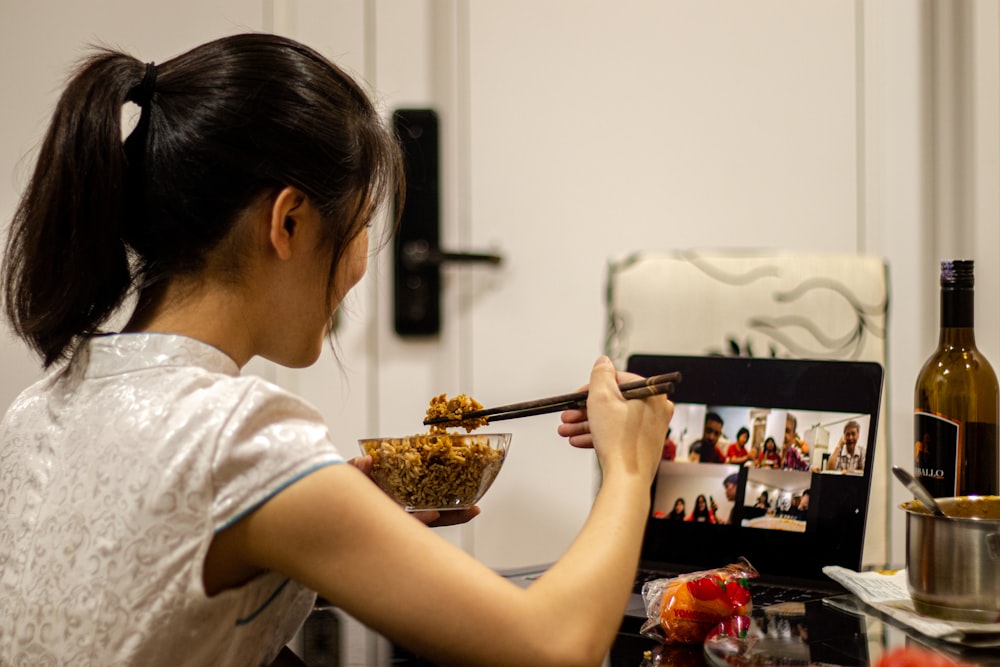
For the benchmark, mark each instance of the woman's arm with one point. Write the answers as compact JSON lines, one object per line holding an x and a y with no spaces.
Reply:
{"x":335,"y":532}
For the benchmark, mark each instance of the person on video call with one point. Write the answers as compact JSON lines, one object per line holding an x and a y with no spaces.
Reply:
{"x":801,"y":507}
{"x":793,"y":455}
{"x":849,"y":454}
{"x":669,"y":447}
{"x":737,"y":451}
{"x":678,"y":513}
{"x":730,"y":484}
{"x":770,"y":457}
{"x":702,"y":512}
{"x":707,"y":449}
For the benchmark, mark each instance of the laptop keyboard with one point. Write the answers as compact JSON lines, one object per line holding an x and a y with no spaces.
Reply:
{"x":762,"y":594}
{"x":766,"y":595}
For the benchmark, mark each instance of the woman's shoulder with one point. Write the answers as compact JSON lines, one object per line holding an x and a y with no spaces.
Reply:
{"x":181,"y":369}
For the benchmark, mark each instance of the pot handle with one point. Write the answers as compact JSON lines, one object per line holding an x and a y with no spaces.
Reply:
{"x":993,"y":542}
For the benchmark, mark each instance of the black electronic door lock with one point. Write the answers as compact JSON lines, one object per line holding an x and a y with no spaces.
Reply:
{"x":418,"y":256}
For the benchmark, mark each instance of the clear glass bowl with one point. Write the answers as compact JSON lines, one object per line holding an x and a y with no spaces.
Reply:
{"x":438,"y":471}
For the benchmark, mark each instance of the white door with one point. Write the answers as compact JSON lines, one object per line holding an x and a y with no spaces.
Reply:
{"x":597,"y":131}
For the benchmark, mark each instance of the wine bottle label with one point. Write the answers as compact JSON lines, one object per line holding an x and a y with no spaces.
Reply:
{"x":935,"y":453}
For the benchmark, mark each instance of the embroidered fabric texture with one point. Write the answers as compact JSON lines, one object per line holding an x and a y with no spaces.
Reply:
{"x":117,"y":471}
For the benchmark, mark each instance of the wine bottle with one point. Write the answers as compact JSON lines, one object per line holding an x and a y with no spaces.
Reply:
{"x":957,"y":400}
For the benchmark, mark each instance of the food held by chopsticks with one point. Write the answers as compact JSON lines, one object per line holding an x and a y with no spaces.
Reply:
{"x":444,"y":412}
{"x":454,"y":413}
{"x":439,"y":470}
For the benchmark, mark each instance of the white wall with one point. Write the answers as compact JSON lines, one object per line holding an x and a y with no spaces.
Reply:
{"x":39,"y":42}
{"x":574,"y":131}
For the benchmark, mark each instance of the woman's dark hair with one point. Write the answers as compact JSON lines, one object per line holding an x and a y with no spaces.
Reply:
{"x":699,"y":511}
{"x":222,"y":127}
{"x":713,"y":417}
{"x":674,"y":512}
{"x":772,"y":441}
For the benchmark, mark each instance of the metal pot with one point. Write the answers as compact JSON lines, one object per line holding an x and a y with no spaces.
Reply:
{"x":953,"y":562}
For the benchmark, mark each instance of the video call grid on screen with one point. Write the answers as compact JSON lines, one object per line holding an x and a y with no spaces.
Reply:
{"x":759,"y":394}
{"x":770,"y":494}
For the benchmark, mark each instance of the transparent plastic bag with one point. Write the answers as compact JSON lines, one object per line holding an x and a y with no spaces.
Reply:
{"x":686,"y":608}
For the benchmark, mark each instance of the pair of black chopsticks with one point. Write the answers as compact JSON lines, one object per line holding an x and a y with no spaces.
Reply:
{"x":658,"y":384}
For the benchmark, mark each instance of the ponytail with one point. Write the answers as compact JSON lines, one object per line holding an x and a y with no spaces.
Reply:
{"x":67,"y":268}
{"x":222,"y":126}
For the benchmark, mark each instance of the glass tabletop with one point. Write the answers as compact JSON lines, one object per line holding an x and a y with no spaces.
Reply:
{"x":838,"y":631}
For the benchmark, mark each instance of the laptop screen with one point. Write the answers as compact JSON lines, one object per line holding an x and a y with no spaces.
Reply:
{"x":770,"y":459}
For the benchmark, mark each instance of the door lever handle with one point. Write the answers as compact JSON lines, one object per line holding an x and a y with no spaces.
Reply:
{"x":418,"y":257}
{"x":419,"y":254}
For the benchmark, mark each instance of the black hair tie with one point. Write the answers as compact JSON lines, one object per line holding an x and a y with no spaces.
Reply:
{"x":143,"y":93}
{"x":135,"y":143}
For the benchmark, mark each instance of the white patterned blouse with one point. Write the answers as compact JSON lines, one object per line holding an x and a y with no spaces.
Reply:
{"x":116,"y":471}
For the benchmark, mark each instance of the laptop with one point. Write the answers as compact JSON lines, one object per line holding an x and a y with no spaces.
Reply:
{"x":764,"y":518}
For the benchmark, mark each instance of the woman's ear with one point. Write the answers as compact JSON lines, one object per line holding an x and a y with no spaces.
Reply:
{"x":285,"y":220}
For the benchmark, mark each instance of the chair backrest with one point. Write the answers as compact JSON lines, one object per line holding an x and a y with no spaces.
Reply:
{"x":780,"y":304}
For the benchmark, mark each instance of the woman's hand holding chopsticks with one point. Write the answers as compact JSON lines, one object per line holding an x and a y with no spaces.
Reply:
{"x":626,"y":430}
{"x":637,"y":387}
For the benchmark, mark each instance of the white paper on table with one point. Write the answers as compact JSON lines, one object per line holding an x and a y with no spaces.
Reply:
{"x":889,"y":594}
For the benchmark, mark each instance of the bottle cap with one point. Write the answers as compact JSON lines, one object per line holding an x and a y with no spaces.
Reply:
{"x":957,"y":273}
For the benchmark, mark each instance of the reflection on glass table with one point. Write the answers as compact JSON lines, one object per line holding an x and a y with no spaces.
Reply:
{"x":834,"y":632}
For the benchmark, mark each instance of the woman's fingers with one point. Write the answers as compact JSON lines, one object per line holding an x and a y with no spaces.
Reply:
{"x":436,"y":519}
{"x":362,"y":463}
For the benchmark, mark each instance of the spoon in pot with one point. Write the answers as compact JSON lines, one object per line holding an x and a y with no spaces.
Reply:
{"x":918,"y":490}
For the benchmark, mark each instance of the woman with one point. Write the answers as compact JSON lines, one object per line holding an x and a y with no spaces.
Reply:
{"x":770,"y":457}
{"x":737,"y":451}
{"x":701,"y":513}
{"x":175,"y":512}
{"x":677,"y":514}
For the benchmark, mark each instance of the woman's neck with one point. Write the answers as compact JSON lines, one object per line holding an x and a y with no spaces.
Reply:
{"x":213,"y":314}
